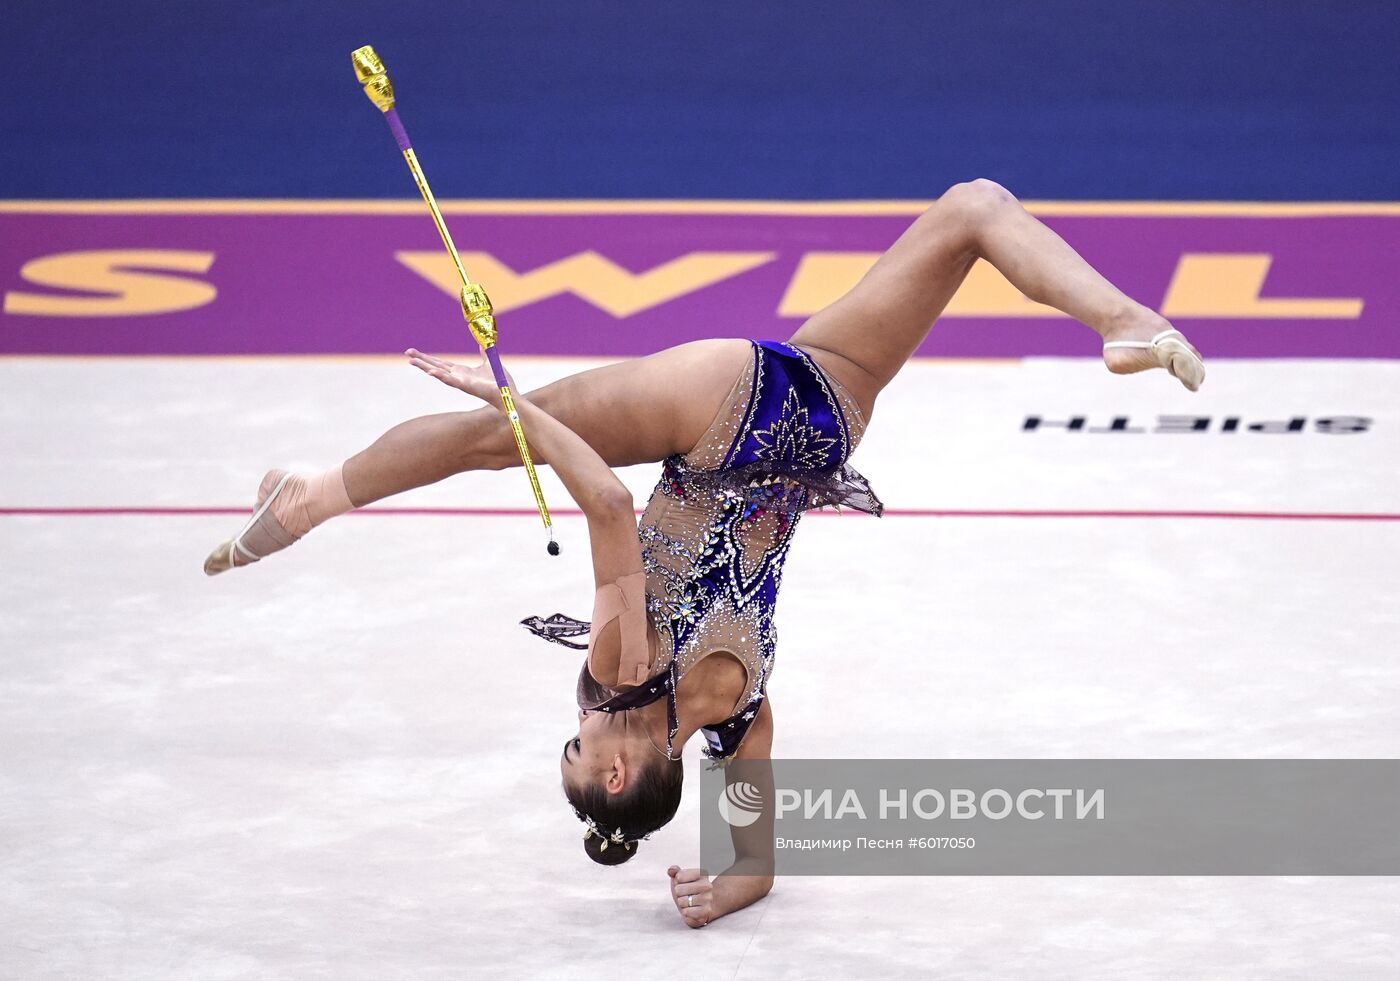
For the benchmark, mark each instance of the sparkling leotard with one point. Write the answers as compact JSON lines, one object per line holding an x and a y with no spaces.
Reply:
{"x":717,"y":528}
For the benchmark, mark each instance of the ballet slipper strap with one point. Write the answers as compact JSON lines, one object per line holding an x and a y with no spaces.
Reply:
{"x":263,"y":534}
{"x":234,"y":549}
{"x":1146,"y":345}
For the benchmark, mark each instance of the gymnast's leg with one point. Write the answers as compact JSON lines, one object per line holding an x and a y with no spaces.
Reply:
{"x":637,"y":411}
{"x":876,"y":327}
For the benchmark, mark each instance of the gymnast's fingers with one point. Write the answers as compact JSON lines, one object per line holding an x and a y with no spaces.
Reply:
{"x":691,"y":888}
{"x":696,"y":916}
{"x":413,"y":352}
{"x":423,"y":366}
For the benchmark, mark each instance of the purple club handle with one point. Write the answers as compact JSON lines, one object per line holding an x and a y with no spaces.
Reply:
{"x":496,"y":369}
{"x":400,"y":136}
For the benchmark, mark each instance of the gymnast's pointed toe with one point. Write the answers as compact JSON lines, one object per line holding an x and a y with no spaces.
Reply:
{"x":1181,"y":360}
{"x":1168,"y":349}
{"x":263,"y":534}
{"x":219,"y":560}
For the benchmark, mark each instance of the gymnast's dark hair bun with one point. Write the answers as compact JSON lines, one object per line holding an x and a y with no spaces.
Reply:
{"x":614,"y":854}
{"x":639,"y":810}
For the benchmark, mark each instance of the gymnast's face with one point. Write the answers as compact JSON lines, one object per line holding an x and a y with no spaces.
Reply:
{"x":600,"y":753}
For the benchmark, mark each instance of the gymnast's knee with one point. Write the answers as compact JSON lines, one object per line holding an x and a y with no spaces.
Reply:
{"x":974,"y":204}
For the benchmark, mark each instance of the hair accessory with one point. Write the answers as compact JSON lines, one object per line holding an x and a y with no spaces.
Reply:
{"x":616,"y":838}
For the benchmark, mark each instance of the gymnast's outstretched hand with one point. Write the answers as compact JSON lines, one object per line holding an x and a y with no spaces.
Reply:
{"x":473,"y":379}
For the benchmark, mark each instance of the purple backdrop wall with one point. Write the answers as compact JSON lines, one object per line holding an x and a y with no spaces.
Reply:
{"x":330,"y":283}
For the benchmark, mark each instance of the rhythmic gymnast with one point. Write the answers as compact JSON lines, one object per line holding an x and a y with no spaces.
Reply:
{"x":752,"y":433}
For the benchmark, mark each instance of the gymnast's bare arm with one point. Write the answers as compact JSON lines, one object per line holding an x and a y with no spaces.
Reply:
{"x":605,"y":501}
{"x":750,"y":878}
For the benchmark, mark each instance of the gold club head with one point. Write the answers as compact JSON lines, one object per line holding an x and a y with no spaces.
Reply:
{"x":370,"y":71}
{"x":367,"y":63}
{"x":476,"y":308}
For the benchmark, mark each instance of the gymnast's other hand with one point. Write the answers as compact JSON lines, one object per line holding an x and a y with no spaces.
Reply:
{"x":693,"y":895}
{"x":473,"y":379}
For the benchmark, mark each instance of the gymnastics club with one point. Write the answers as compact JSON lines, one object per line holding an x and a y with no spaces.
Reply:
{"x":476,"y":305}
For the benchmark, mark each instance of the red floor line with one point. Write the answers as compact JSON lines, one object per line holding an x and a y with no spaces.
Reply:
{"x":574,"y":512}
